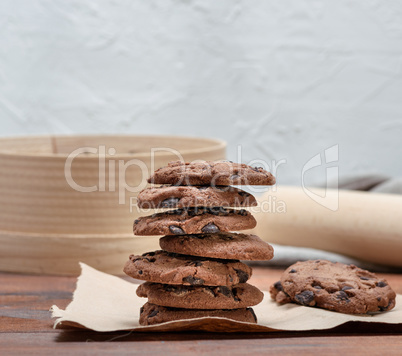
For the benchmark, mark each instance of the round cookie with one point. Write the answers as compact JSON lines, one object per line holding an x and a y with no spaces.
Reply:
{"x":169,"y":268}
{"x":207,"y":297}
{"x":334,"y":286}
{"x":151,"y":314}
{"x":226,"y":245}
{"x":194,"y":221}
{"x":211,"y":173}
{"x":189,"y":196}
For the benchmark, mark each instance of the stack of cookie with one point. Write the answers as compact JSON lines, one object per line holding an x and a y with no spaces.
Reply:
{"x":198,"y":273}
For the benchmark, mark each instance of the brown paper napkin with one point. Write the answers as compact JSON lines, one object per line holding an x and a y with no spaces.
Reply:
{"x":102,"y":302}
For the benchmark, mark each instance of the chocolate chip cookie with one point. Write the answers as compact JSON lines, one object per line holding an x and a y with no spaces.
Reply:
{"x":194,"y":221}
{"x":220,"y":245}
{"x":167,"y":268}
{"x":151,"y":314}
{"x":334,"y":286}
{"x":187,"y":196}
{"x":211,"y":173}
{"x":207,"y":297}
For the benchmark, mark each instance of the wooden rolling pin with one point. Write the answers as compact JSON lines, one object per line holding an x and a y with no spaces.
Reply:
{"x":366,"y":226}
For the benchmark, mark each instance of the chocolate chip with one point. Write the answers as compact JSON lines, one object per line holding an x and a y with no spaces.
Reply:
{"x":385,"y":308}
{"x":210,"y":291}
{"x":136,"y":221}
{"x":180,"y":291}
{"x":234,"y":294}
{"x":278,"y":286}
{"x":243,"y":276}
{"x":317,"y":287}
{"x":381,"y":284}
{"x":194,"y":281}
{"x":332,"y":288}
{"x":134,"y":258}
{"x":346,"y":288}
{"x":341,"y":295}
{"x":225,"y":291}
{"x":243,"y":194}
{"x":176,"y":230}
{"x":242,"y":212}
{"x":195,"y":263}
{"x":140,"y":271}
{"x":168,"y":288}
{"x":170,"y":202}
{"x":305,"y":298}
{"x":149,"y":253}
{"x":153,"y":313}
{"x":230,"y":278}
{"x":292,"y":271}
{"x":364,"y":278}
{"x":378,"y":299}
{"x":141,"y":310}
{"x":173,"y":288}
{"x":257,"y":169}
{"x":210,"y":228}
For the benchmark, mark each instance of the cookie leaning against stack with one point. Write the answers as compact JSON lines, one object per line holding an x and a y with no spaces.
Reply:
{"x":198,"y":272}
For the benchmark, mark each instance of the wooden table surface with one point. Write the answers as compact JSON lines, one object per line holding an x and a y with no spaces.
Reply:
{"x":26,"y":328}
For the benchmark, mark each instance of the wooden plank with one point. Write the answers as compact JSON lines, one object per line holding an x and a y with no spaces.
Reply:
{"x":206,"y":344}
{"x":26,"y":327}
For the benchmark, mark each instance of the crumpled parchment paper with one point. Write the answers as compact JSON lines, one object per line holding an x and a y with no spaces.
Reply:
{"x":103,"y":302}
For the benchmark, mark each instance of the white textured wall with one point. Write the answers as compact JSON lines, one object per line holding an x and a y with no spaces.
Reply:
{"x":285,"y":79}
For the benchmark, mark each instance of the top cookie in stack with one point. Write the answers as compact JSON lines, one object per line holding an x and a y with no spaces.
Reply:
{"x":211,"y":173}
{"x":198,"y":273}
